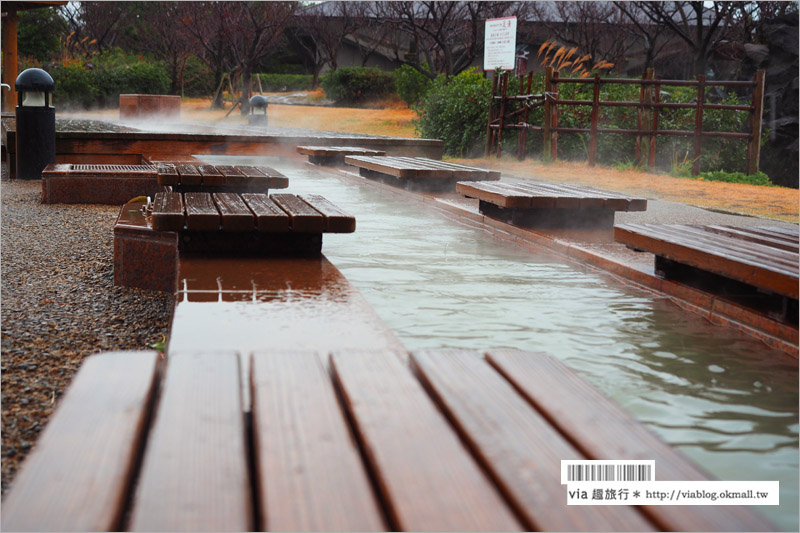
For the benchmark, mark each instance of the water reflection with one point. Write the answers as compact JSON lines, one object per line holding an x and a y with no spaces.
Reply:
{"x":726,"y":400}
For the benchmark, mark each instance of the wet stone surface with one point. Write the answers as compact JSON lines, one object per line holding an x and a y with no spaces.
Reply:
{"x":59,"y":305}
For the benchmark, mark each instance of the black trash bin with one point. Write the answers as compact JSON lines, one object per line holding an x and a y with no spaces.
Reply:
{"x":258,"y":111}
{"x":36,"y":123}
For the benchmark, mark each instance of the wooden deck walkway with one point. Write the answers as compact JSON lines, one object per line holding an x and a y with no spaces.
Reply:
{"x":549,"y":205}
{"x":347,"y":441}
{"x":738,"y":261}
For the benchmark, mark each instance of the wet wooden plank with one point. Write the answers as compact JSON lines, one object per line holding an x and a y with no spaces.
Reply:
{"x":304,"y":218}
{"x":167,"y":174}
{"x":253,"y":177}
{"x":333,"y":151}
{"x":234,"y":213}
{"x":336,"y":220}
{"x":77,"y":476}
{"x":517,"y":445}
{"x":428,"y":480}
{"x":275,"y":179}
{"x":603,"y":430}
{"x":310,"y":473}
{"x":201,"y":212}
{"x":772,"y":269}
{"x":189,"y":175}
{"x":269,"y":217}
{"x":168,"y":212}
{"x":194,"y":473}
{"x":494,"y":193}
{"x":211,"y":176}
{"x":757,"y":235}
{"x":546,"y":196}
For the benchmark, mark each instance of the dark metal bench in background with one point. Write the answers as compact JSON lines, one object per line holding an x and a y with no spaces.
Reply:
{"x":549,"y":205}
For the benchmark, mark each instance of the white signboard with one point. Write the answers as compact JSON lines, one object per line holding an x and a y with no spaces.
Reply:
{"x":500,"y":43}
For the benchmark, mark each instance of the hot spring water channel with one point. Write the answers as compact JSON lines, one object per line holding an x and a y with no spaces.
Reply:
{"x":724,"y":399}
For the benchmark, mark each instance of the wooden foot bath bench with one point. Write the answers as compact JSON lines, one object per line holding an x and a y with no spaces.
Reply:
{"x":418,"y":173}
{"x":147,"y":243}
{"x":550,"y":205}
{"x":220,"y":178}
{"x":754,"y":266}
{"x":344,"y":441}
{"x":334,"y":155}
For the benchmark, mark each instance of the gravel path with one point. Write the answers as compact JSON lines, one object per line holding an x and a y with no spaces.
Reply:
{"x":59,"y":305}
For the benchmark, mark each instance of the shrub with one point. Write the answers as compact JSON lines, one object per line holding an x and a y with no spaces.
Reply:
{"x":79,"y":83}
{"x":353,"y":85}
{"x":455,"y":110}
{"x":411,"y":84}
{"x":759,"y":178}
{"x":286,"y":82}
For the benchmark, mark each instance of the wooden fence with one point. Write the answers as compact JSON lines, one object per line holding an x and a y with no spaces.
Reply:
{"x":648,"y":108}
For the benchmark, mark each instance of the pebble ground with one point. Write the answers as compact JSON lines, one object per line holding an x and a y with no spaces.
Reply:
{"x":59,"y":305}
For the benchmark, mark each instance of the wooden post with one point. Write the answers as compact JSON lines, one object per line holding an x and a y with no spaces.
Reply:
{"x":654,"y":129}
{"x":9,"y":26}
{"x":754,"y":144}
{"x":698,"y":124}
{"x":646,"y":118}
{"x":489,"y":131}
{"x":548,"y":113}
{"x":504,"y":83}
{"x":554,"y":115}
{"x":595,"y":117}
{"x":523,"y":134}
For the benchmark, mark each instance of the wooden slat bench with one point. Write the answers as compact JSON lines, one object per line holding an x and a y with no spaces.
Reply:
{"x":147,"y":243}
{"x":754,"y":266}
{"x":249,"y":222}
{"x":548,"y":205}
{"x":452,"y":442}
{"x":334,"y":155}
{"x":69,"y":183}
{"x":418,"y":173}
{"x":188,"y":177}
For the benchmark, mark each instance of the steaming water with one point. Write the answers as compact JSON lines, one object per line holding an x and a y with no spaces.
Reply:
{"x":725,"y":400}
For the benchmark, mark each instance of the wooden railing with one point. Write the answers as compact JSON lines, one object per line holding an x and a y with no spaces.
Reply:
{"x":648,"y":108}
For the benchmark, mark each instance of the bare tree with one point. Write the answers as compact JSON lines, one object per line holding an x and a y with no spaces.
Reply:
{"x":252,"y":29}
{"x":595,"y":28}
{"x":699,"y":24}
{"x":649,"y":33}
{"x":321,"y":29}
{"x":436,"y":37}
{"x":160,"y":32}
{"x":204,"y":23}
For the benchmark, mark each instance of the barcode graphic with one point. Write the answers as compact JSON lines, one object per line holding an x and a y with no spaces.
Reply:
{"x":578,"y":471}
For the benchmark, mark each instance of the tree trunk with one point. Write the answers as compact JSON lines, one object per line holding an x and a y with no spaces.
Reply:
{"x":245,"y":98}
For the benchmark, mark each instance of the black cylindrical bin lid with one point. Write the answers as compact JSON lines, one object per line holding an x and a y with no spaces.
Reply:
{"x":259,"y":101}
{"x":34,"y":79}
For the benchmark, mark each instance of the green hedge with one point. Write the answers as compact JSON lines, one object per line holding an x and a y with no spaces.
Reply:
{"x":354,"y":85}
{"x":455,"y":110}
{"x":286,"y":82}
{"x":77,"y":85}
